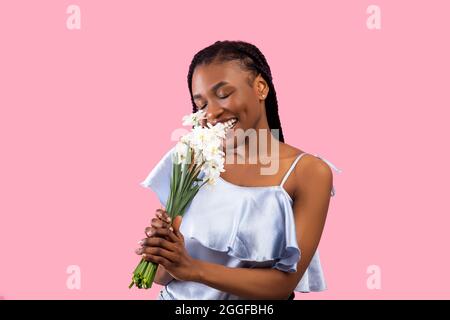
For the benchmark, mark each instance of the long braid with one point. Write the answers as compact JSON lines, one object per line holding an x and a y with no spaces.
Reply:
{"x":253,"y":60}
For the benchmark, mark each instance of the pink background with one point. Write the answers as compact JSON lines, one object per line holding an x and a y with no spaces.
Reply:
{"x":86,"y":114}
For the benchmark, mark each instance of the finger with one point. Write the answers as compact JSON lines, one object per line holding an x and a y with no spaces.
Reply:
{"x":159,"y":251}
{"x":163,"y":215}
{"x":166,"y":216}
{"x":159,"y":242}
{"x":156,"y":251}
{"x":160,"y":232}
{"x":149,"y":231}
{"x":158,"y":223}
{"x":176,"y":227}
{"x":150,"y":257}
{"x":157,"y":259}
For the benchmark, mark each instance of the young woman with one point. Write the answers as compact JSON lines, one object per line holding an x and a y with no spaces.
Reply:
{"x":252,"y":235}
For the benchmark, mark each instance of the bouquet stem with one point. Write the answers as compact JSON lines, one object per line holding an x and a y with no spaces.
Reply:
{"x":182,"y":191}
{"x":198,"y":151}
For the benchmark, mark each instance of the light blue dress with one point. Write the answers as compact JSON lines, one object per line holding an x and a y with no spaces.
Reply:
{"x":239,"y":227}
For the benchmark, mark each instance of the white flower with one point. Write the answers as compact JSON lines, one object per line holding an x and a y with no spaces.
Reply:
{"x":200,"y":136}
{"x":212,"y":169}
{"x":194,"y":119}
{"x":187,"y":138}
{"x":205,"y":143}
{"x":218,"y":129}
{"x":182,"y":150}
{"x":213,"y":151}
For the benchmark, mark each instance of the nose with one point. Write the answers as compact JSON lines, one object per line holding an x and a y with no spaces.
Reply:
{"x":213,"y":113}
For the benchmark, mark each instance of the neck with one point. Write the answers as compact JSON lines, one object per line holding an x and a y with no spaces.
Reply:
{"x":261,"y":146}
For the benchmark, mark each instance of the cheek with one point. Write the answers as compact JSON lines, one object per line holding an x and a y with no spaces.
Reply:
{"x":243,"y":108}
{"x":234,"y":104}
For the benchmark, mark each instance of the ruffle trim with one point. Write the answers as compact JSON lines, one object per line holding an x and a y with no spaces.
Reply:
{"x":279,"y":249}
{"x":158,"y":179}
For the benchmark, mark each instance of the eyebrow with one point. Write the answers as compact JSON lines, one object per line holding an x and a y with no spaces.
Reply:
{"x":213,"y":88}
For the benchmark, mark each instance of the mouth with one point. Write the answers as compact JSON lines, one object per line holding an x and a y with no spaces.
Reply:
{"x":230,"y":124}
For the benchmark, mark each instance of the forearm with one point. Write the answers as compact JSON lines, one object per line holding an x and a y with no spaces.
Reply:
{"x":263,"y":283}
{"x":162,"y":277}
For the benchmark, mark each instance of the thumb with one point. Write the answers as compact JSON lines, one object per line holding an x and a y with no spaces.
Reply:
{"x":176,"y":224}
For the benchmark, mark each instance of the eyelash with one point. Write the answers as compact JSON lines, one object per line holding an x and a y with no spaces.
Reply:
{"x":201,"y":108}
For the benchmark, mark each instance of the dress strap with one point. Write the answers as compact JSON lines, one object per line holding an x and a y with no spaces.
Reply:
{"x":291,"y":168}
{"x":333,"y":189}
{"x":328,"y":162}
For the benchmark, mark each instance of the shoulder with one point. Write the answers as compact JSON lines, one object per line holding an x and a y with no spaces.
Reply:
{"x":311,"y":174}
{"x":315,"y":168}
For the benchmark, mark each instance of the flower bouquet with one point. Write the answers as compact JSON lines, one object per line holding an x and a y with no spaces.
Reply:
{"x":200,"y":150}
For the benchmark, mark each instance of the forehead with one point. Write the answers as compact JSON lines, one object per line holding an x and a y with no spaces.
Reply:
{"x":205,"y":76}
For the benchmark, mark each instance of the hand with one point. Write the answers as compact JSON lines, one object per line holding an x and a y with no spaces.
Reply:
{"x":162,"y":220}
{"x":166,"y":246}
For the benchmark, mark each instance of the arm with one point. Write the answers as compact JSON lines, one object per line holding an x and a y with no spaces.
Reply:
{"x":162,"y":277}
{"x":310,"y":208}
{"x":313,"y":187}
{"x":244,"y":282}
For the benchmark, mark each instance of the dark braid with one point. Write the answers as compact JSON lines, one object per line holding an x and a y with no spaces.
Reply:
{"x":251,"y":59}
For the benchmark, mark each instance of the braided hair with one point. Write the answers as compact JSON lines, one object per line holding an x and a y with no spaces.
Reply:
{"x":251,"y":59}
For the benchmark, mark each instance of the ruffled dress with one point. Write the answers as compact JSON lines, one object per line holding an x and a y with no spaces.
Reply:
{"x":239,"y":227}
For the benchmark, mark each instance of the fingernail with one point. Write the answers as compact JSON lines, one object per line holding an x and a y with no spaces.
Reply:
{"x":158,"y":214}
{"x":141,"y":242}
{"x":138,"y":251}
{"x":169,"y":219}
{"x":171,"y":229}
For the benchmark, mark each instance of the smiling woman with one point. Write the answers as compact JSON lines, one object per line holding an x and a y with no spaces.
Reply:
{"x":235,"y":76}
{"x":250,"y":236}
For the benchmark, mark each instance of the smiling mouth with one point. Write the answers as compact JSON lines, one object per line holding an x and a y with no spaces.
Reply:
{"x":230,"y":124}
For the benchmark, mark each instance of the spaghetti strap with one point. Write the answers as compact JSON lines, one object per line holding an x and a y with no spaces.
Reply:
{"x":286,"y":176}
{"x":290,"y":169}
{"x":329,"y":163}
{"x":333,"y":189}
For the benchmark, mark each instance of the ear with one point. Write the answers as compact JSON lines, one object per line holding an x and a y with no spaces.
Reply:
{"x":262,"y":87}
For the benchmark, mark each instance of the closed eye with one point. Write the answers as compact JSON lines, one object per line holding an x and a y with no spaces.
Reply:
{"x":223,"y":97}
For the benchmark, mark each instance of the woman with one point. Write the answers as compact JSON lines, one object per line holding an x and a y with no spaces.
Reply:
{"x":252,"y":235}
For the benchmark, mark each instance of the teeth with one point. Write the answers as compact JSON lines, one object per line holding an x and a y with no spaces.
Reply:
{"x":230,"y":123}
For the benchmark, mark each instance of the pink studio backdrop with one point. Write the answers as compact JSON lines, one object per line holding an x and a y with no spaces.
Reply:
{"x":87,"y":113}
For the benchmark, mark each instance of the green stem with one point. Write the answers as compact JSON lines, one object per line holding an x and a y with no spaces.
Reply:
{"x":182,"y":191}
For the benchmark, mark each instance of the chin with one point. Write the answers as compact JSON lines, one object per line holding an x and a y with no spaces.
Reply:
{"x":232,"y":141}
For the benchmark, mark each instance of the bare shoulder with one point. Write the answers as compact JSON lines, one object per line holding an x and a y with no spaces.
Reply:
{"x":313,"y":167}
{"x":312,"y":174}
